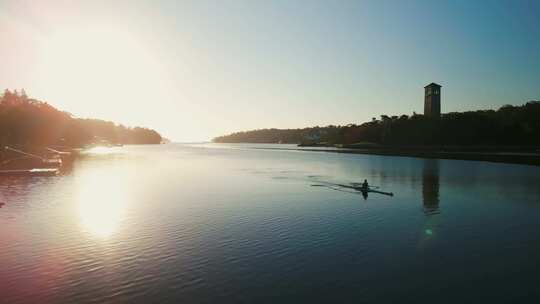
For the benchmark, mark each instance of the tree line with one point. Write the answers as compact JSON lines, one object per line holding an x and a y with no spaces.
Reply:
{"x":507,"y":126}
{"x":29,"y":122}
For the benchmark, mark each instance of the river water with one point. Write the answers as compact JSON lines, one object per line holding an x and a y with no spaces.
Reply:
{"x":214,"y":223}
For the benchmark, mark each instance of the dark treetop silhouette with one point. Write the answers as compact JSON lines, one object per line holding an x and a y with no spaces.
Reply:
{"x":29,"y":122}
{"x":507,"y":126}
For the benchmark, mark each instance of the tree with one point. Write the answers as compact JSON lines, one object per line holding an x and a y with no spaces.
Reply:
{"x":31,"y":122}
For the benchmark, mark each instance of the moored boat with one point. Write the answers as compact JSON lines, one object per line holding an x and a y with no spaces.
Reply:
{"x":31,"y":172}
{"x":28,"y":164}
{"x":30,"y":161}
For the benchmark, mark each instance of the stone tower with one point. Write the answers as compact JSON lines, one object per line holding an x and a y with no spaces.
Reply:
{"x":432,"y":100}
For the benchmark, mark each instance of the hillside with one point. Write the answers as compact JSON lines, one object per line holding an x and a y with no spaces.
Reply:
{"x":29,"y":122}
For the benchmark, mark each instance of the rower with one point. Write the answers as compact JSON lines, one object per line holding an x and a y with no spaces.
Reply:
{"x":365,"y":185}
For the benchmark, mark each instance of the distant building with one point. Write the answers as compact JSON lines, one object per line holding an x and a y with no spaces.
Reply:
{"x":315,"y":135}
{"x":432,"y":100}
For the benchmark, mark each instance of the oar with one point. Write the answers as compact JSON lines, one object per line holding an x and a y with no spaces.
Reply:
{"x":381,"y":192}
{"x":360,"y":184}
{"x":337,"y":189}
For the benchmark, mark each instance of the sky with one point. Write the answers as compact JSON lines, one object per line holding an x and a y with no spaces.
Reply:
{"x":194,"y":70}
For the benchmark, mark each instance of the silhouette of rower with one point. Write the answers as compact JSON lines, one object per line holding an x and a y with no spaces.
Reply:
{"x":365,"y":185}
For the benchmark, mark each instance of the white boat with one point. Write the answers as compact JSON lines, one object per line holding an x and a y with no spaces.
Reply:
{"x":31,"y":172}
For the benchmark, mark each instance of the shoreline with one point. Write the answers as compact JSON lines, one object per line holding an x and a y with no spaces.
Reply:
{"x":531,"y":158}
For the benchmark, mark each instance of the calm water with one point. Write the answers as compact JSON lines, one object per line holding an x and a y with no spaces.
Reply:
{"x":234,"y":224}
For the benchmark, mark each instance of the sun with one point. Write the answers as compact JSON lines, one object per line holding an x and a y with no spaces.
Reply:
{"x":105,"y":72}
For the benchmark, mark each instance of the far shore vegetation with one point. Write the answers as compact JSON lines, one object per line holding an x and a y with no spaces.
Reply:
{"x":509,"y":126}
{"x":28,"y":122}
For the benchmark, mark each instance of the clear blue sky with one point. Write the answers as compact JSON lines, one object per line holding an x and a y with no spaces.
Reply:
{"x":198,"y":69}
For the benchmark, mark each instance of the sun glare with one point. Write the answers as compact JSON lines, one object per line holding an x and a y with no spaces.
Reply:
{"x":103,"y":200}
{"x":106,"y":72}
{"x":102,"y":150}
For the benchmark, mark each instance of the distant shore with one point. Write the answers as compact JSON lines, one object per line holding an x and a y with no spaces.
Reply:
{"x":510,"y":134}
{"x":510,"y":155}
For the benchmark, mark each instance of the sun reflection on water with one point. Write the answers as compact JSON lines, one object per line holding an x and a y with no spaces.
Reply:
{"x":103,"y":198}
{"x":102,"y":150}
